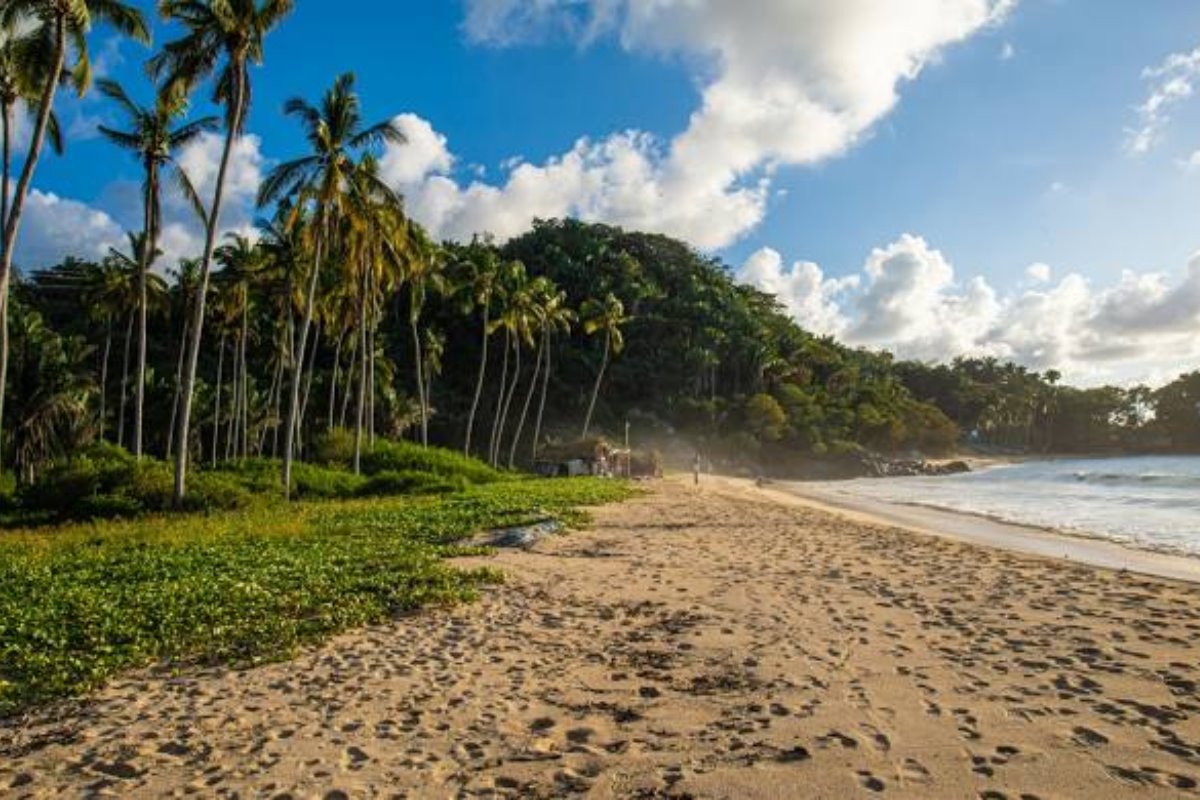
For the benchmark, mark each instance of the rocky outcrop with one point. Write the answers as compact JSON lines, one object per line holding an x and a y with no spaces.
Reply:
{"x":862,"y":464}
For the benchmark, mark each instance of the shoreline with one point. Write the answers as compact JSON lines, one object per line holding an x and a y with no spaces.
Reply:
{"x":987,"y":531}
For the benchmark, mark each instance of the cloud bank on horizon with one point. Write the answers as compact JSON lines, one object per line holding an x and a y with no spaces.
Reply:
{"x":790,"y":83}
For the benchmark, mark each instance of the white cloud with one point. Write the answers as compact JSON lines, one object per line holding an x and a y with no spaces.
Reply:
{"x":54,"y":227}
{"x":784,"y":82}
{"x":1007,"y":52}
{"x":1192,"y":162}
{"x":809,"y":297}
{"x":1171,"y":82}
{"x":1038,"y":273}
{"x":909,"y":300}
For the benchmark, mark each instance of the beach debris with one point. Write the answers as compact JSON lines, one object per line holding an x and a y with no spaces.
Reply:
{"x":524,"y":536}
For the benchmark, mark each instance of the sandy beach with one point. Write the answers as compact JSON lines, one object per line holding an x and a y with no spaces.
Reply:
{"x":711,"y":642}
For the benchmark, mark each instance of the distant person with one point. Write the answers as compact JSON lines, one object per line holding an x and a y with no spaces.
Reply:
{"x":696,"y":468}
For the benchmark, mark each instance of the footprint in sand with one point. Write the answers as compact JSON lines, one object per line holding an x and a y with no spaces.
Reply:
{"x":870,"y":782}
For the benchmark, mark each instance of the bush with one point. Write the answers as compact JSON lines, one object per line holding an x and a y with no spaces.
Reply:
{"x":69,"y":490}
{"x":334,"y":447}
{"x":215,"y":491}
{"x":315,"y":482}
{"x":390,"y":482}
{"x":109,"y":506}
{"x":388,"y":456}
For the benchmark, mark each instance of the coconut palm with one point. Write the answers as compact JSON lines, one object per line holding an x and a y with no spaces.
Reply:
{"x":154,"y":135}
{"x":512,"y":319}
{"x":423,"y":275}
{"x":556,"y":317}
{"x":130,"y":281}
{"x":51,"y":389}
{"x":325,"y":179}
{"x":187,"y":279}
{"x":541,"y":291}
{"x":57,"y":33}
{"x":479,"y":284}
{"x":223,"y":37}
{"x":241,"y":263}
{"x":606,"y":318}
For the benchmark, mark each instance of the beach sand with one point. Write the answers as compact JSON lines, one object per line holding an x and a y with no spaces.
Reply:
{"x":719,"y":641}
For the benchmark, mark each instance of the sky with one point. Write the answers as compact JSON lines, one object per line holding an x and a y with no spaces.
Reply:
{"x":1015,"y":178}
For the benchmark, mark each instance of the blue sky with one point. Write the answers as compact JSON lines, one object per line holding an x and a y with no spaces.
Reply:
{"x":1009,"y":147}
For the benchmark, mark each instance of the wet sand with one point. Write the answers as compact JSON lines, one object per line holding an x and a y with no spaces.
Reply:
{"x":720,"y":642}
{"x":995,"y":533}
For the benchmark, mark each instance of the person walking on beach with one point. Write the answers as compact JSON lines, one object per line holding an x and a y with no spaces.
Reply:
{"x":696,"y":468}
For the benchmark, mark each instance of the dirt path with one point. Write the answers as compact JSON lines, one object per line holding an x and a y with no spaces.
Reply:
{"x":718,"y":642}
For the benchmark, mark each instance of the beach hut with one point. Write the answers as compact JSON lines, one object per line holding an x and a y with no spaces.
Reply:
{"x":592,"y":456}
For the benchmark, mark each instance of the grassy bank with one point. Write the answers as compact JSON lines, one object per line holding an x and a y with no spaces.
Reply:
{"x":80,"y":602}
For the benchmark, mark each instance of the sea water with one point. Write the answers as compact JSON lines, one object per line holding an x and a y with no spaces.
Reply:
{"x":1151,"y":502}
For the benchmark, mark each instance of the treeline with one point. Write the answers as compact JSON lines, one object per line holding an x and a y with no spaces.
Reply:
{"x":1005,"y":406}
{"x":570,"y":329}
{"x":342,"y":314}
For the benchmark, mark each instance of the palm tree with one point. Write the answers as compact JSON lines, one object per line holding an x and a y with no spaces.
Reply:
{"x":59,"y":31}
{"x":325,"y":179}
{"x":513,"y":319}
{"x":478,"y":287}
{"x":557,"y":317}
{"x":604,"y":317}
{"x":187,"y":278}
{"x":540,"y":291}
{"x":135,"y":291}
{"x":50,"y":393}
{"x":282,"y":245}
{"x":424,"y":273}
{"x":241,"y":263}
{"x":153,"y":138}
{"x":223,"y":37}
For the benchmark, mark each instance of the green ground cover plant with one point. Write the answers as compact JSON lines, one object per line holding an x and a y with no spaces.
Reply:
{"x":81,"y":602}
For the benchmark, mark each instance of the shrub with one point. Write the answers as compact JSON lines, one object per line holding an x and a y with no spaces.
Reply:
{"x":109,"y":506}
{"x":216,"y":491}
{"x":316,"y":482}
{"x":334,"y":447}
{"x":388,"y":456}
{"x":390,"y":482}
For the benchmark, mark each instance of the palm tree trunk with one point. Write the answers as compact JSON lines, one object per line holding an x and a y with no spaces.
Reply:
{"x":103,"y":368}
{"x":537,"y":428}
{"x":125,"y":379}
{"x":362,"y":383}
{"x":308,"y":382}
{"x":231,"y":430}
{"x":537,"y":369}
{"x":346,"y":390}
{"x":216,"y":437}
{"x":149,"y":241}
{"x":12,"y":221}
{"x":371,"y":386}
{"x":419,"y":361}
{"x":6,"y":123}
{"x":499,"y":401}
{"x":337,"y":369}
{"x":512,"y":390}
{"x":272,"y":407}
{"x":210,"y":241}
{"x":178,"y":381}
{"x":245,"y":376}
{"x":310,"y":303}
{"x":587,"y":422}
{"x":478,"y":383}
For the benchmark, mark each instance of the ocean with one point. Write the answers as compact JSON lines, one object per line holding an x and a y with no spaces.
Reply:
{"x":1150,"y":502}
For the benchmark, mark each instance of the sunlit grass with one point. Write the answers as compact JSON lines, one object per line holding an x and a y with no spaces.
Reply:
{"x":81,"y":602}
